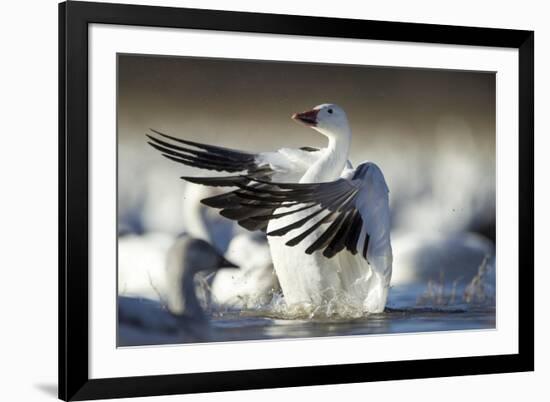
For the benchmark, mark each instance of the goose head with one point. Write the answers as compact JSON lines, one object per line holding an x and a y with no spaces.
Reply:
{"x":201,"y":256}
{"x":328,"y":119}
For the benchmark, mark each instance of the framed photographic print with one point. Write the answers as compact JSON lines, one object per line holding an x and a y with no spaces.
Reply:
{"x":257,"y":200}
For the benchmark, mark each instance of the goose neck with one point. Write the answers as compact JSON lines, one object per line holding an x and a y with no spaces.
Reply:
{"x":331,"y":164}
{"x":192,"y":305}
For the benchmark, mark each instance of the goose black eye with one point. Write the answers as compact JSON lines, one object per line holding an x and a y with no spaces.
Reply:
{"x":330,"y":111}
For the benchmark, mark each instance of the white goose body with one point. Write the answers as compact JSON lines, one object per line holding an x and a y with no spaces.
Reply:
{"x":346,"y":281}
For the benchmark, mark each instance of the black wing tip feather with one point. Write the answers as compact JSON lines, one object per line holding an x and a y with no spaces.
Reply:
{"x":223,"y":181}
{"x":163,"y":135}
{"x":309,"y":149}
{"x":211,"y":148}
{"x":338,"y":242}
{"x":203,"y":156}
{"x":213,"y":203}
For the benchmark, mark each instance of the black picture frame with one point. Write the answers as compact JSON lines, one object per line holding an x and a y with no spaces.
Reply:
{"x":74,"y":381}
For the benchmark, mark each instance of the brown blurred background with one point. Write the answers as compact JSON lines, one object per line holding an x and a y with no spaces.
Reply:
{"x":212,"y":98}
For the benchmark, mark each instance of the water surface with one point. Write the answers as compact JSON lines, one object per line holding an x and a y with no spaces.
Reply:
{"x":408,"y":311}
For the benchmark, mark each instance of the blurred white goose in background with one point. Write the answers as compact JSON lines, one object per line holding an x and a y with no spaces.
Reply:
{"x":349,"y":259}
{"x":142,"y":259}
{"x":442,"y":270}
{"x":173,"y":304}
{"x":425,"y":256}
{"x":186,"y":258}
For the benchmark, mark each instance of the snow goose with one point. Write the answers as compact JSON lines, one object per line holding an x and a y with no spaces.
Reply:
{"x":423,"y":256}
{"x":186,"y":258}
{"x":174,"y":306}
{"x":344,"y":213}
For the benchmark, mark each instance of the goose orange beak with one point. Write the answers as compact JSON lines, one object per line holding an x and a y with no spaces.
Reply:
{"x":223,"y":263}
{"x":308,"y":118}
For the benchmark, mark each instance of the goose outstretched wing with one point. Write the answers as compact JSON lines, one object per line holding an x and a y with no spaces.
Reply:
{"x":286,"y":165}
